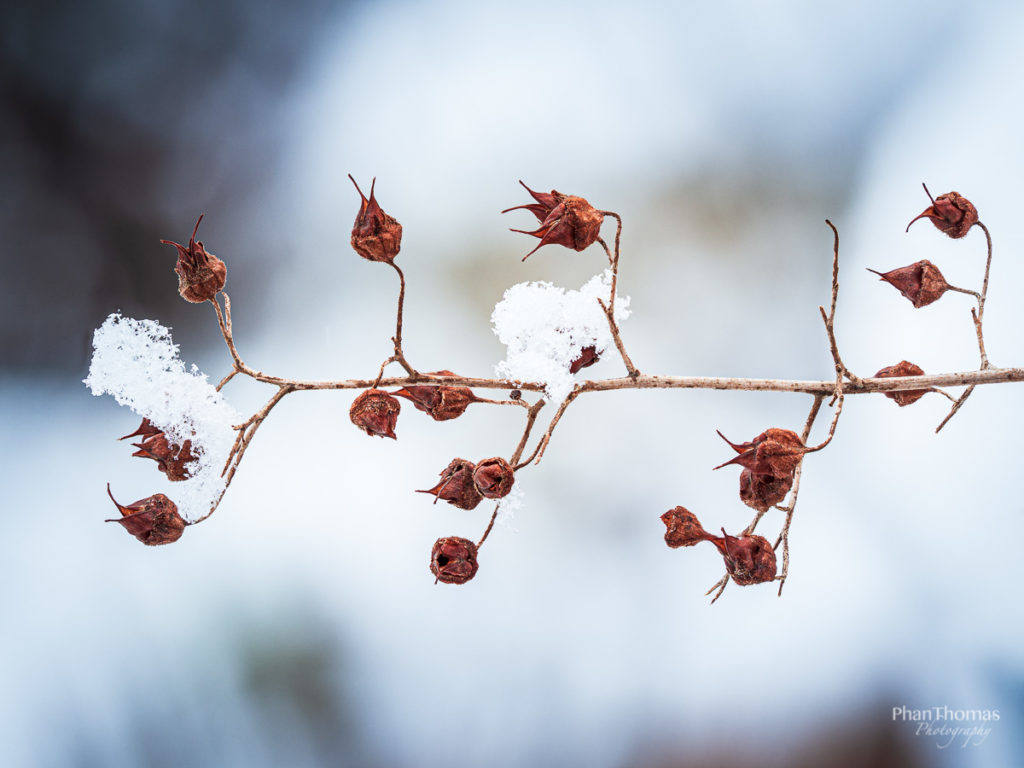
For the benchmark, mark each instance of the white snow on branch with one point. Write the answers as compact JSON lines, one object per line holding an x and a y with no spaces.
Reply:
{"x":545,"y":328}
{"x":137,"y":362}
{"x":509,"y":505}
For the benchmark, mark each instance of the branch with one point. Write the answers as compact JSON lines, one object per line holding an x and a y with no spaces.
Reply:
{"x":977,"y":317}
{"x":531,"y":417}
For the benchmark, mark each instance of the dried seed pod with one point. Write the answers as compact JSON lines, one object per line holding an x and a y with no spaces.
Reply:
{"x":200,"y":274}
{"x":748,"y":559}
{"x":375,"y":412}
{"x":951,"y":213}
{"x":441,"y":402}
{"x":457,"y":486}
{"x":763,"y":491}
{"x":683,"y":529}
{"x":588,"y":356}
{"x":375,"y":235}
{"x":769,"y":464}
{"x":453,"y":560}
{"x":146,"y":429}
{"x":903,"y":368}
{"x":564,"y":220}
{"x":170,"y":458}
{"x":494,"y":477}
{"x":922,"y":282}
{"x":153,"y":520}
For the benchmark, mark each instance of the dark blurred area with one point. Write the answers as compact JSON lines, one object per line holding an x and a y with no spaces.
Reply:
{"x":861,"y":740}
{"x":120,"y":122}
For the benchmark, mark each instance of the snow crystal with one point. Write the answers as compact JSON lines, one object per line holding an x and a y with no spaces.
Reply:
{"x":137,"y":363}
{"x":510,"y":504}
{"x":545,"y":328}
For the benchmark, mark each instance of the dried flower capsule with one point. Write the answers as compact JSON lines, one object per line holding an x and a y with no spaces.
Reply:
{"x":564,"y":220}
{"x":769,"y":464}
{"x":375,"y":412}
{"x":200,"y":274}
{"x":763,"y":491}
{"x":683,"y":529}
{"x":441,"y":402}
{"x":453,"y":560}
{"x":153,"y":520}
{"x":588,"y":356}
{"x":375,"y":235}
{"x":903,"y":368}
{"x":951,"y":213}
{"x":748,"y":559}
{"x":171,"y":459}
{"x":494,"y":477}
{"x":921,"y":282}
{"x":457,"y":486}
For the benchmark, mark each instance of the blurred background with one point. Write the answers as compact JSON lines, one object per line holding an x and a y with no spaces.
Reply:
{"x":300,"y":626}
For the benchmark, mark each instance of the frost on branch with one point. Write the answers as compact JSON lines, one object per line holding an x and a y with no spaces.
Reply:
{"x":545,"y":328}
{"x":137,"y":362}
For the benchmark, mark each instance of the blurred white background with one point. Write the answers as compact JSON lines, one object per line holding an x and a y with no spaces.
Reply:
{"x":300,"y":624}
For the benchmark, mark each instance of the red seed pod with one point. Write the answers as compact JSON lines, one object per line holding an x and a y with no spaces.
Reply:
{"x":588,"y":356}
{"x":153,"y":520}
{"x":171,"y":459}
{"x":683,"y":529}
{"x":457,"y":486}
{"x":200,"y":274}
{"x":769,"y":464}
{"x":748,"y":559}
{"x":922,"y":282}
{"x":903,"y":368}
{"x":494,"y":477}
{"x":441,"y":402}
{"x":453,"y":560}
{"x":951,"y":213}
{"x":763,"y":491}
{"x":375,"y":412}
{"x":564,"y":220}
{"x":375,"y":235}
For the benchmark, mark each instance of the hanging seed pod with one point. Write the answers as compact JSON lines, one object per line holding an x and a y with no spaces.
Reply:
{"x":564,"y":220}
{"x":453,"y":560}
{"x":748,"y":559}
{"x":457,"y":486}
{"x":201,"y":275}
{"x":951,"y":213}
{"x":922,"y":282}
{"x":903,"y":368}
{"x":376,"y":413}
{"x":683,"y":529}
{"x":153,"y":520}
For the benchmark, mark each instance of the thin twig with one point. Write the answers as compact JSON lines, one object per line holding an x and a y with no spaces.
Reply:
{"x":830,"y":318}
{"x":944,"y":393}
{"x":608,"y":312}
{"x":957,"y":405}
{"x":839,"y":399}
{"x":615,"y":258}
{"x":720,"y":585}
{"x":519,"y":402}
{"x":977,"y":317}
{"x":988,"y":267}
{"x":531,"y":417}
{"x":789,"y":508}
{"x":226,"y":379}
{"x":543,"y":444}
{"x":399,"y":355}
{"x":968,"y":291}
{"x":246,"y":432}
